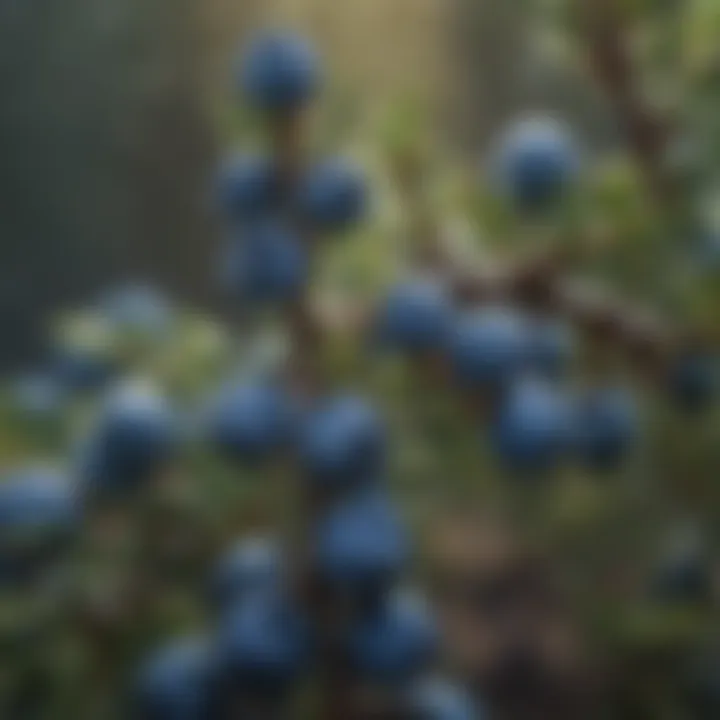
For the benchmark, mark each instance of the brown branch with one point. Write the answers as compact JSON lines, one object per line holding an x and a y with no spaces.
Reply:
{"x":612,"y":65}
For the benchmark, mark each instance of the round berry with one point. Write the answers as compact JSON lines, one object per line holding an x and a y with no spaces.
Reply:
{"x":416,"y":317}
{"x":537,"y":162}
{"x":134,"y":438}
{"x":266,"y":263}
{"x":36,"y":500}
{"x":395,"y":641}
{"x":251,"y":565}
{"x":175,"y":683}
{"x":533,"y":427}
{"x":333,"y":196}
{"x":252,"y":420}
{"x":361,"y":544}
{"x":488,"y":347}
{"x":263,"y":643}
{"x":279,"y":72}
{"x":39,"y":514}
{"x":342,"y":442}
{"x":247,"y":188}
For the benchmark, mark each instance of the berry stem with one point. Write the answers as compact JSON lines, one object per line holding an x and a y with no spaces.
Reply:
{"x":304,"y":376}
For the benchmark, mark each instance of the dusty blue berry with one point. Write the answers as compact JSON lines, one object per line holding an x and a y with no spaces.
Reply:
{"x":415,"y":317}
{"x":537,"y":162}
{"x":266,"y":262}
{"x":251,"y":421}
{"x":488,"y":347}
{"x":533,"y":429}
{"x":279,"y":72}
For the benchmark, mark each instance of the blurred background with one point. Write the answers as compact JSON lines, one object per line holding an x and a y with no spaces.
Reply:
{"x":571,"y":578}
{"x":113,"y":113}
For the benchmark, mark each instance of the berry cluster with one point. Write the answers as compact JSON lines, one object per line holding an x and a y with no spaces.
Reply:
{"x":336,"y":606}
{"x":327,"y":608}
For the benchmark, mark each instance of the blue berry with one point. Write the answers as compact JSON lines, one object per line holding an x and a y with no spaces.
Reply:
{"x":279,"y":73}
{"x":133,"y":440}
{"x":267,"y":262}
{"x":333,"y":196}
{"x":264,"y":643}
{"x":533,"y":428}
{"x":247,"y":188}
{"x":39,"y":514}
{"x":694,"y":382}
{"x":416,"y":317}
{"x":251,"y":421}
{"x":175,"y":683}
{"x":488,"y":347}
{"x":437,"y":699}
{"x":251,"y":565}
{"x":361,"y":544}
{"x":396,"y":641}
{"x":538,"y":160}
{"x":605,"y":427}
{"x":37,"y":500}
{"x":342,"y":442}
